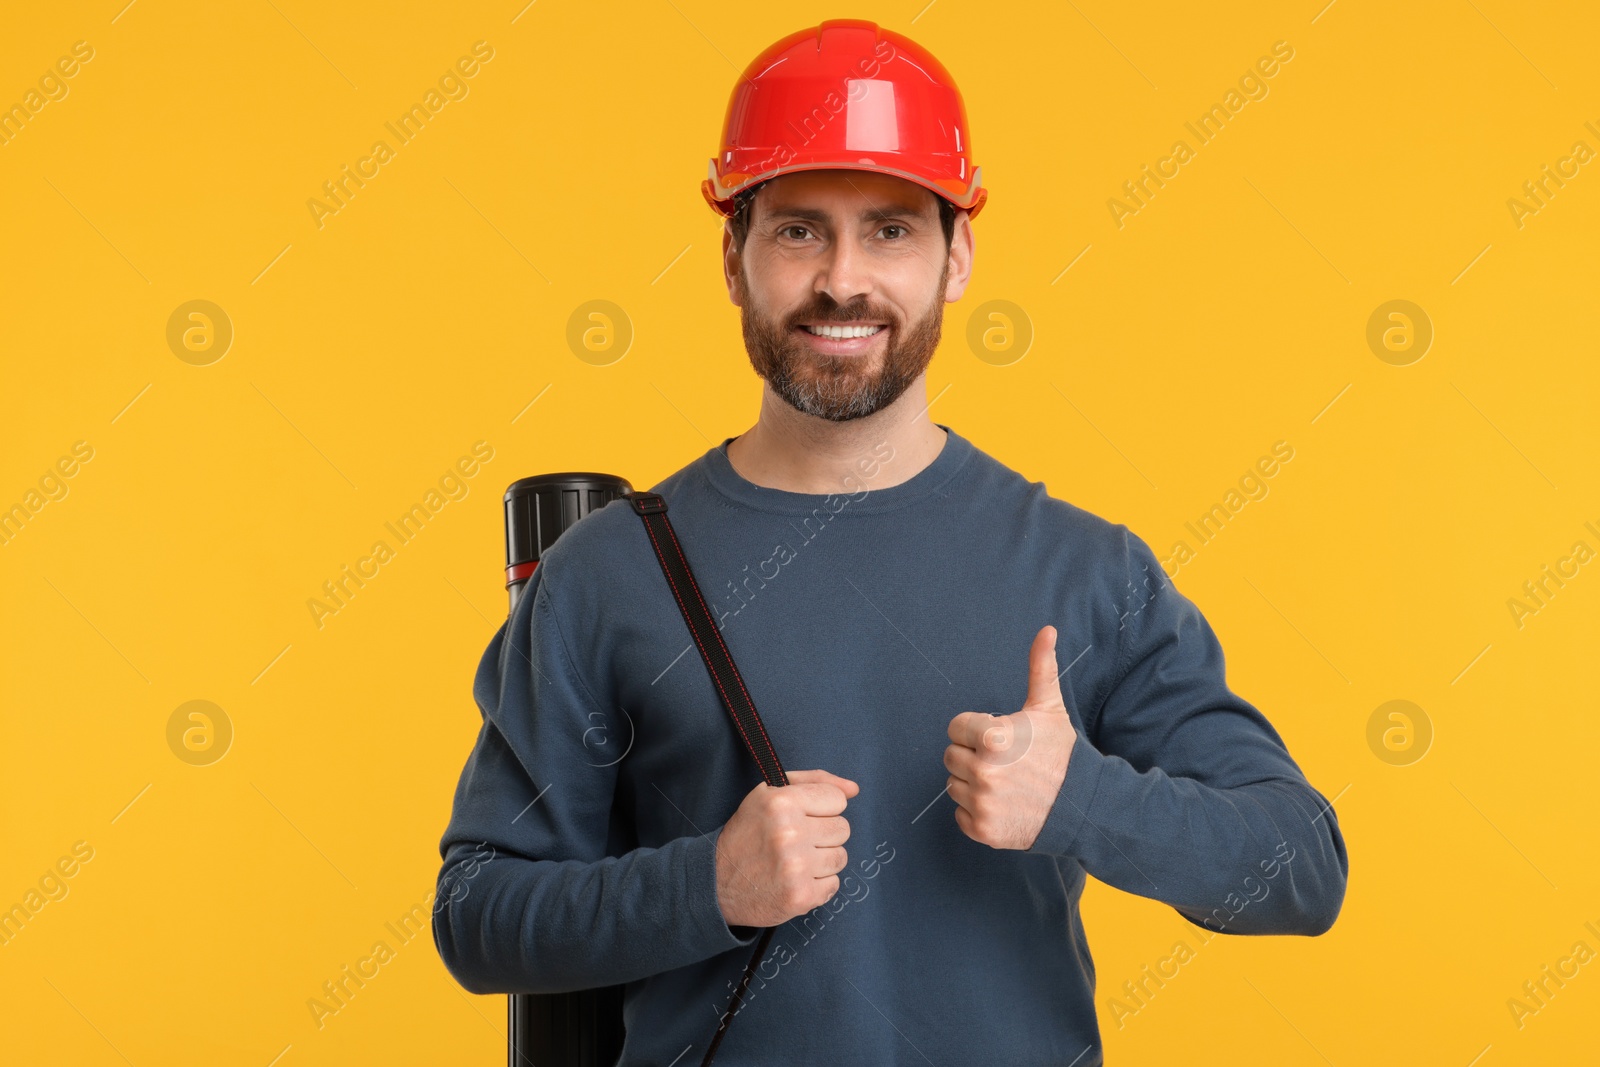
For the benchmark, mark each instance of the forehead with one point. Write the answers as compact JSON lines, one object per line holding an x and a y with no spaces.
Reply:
{"x":845,"y":193}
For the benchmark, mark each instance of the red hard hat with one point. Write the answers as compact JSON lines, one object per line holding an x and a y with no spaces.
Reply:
{"x":846,"y":95}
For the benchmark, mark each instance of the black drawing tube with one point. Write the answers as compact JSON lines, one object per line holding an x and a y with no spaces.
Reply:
{"x":583,"y":1028}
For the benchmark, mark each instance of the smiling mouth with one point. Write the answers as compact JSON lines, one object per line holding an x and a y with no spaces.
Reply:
{"x":842,"y":332}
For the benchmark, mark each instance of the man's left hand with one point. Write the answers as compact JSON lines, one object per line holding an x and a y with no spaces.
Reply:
{"x":1006,"y":770}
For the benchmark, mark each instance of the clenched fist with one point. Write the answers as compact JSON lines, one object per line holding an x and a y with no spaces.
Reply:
{"x":1006,"y":770}
{"x":781,"y":853}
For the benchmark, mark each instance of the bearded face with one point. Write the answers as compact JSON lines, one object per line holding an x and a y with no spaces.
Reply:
{"x":845,"y":379}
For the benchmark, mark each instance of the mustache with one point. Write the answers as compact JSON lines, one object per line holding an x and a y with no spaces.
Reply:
{"x":841,"y":313}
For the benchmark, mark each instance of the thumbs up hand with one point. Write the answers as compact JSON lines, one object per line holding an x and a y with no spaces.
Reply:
{"x":1006,"y":770}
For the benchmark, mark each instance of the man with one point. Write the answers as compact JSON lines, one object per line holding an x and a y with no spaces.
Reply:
{"x":991,"y":693}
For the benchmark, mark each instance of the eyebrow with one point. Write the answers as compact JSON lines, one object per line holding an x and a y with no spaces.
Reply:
{"x":816,"y":215}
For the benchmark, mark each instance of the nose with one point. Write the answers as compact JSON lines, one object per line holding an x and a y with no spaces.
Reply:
{"x":843,"y":273}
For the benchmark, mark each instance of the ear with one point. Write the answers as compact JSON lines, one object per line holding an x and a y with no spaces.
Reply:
{"x":730,"y":266}
{"x":962,"y":247}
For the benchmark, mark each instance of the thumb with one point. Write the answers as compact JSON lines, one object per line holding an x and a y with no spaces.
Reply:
{"x":1044,"y":681}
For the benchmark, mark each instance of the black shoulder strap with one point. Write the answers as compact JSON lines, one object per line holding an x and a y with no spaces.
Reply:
{"x":652,"y":508}
{"x":707,"y":637}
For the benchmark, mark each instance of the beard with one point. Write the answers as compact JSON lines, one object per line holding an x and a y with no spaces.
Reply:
{"x":840,"y":388}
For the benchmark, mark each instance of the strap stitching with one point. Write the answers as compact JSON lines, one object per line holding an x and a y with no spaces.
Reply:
{"x":696,"y":622}
{"x":718,"y":682}
{"x":717,"y":635}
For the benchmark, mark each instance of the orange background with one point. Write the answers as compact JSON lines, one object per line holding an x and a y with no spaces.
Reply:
{"x":1167,"y":354}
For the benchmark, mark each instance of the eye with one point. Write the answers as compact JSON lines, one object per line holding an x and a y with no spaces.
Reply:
{"x":893,"y":226}
{"x":787,"y":230}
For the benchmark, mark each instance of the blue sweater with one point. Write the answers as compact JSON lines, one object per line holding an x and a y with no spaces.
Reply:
{"x":581,"y":848}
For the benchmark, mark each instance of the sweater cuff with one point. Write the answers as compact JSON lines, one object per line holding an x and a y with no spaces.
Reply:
{"x":1071,"y":808}
{"x":706,"y":908}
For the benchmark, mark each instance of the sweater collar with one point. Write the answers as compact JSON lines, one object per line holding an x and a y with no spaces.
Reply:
{"x":863,"y":498}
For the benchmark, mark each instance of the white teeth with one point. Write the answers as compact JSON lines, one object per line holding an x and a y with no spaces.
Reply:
{"x":844,"y":331}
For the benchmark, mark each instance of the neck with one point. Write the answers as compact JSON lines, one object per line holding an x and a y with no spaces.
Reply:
{"x":787,"y":449}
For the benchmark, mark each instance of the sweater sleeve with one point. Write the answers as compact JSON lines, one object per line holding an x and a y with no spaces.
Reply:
{"x":528,"y":899}
{"x":1181,"y":791}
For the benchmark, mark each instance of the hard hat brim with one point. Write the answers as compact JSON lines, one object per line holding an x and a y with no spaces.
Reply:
{"x":971,"y":199}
